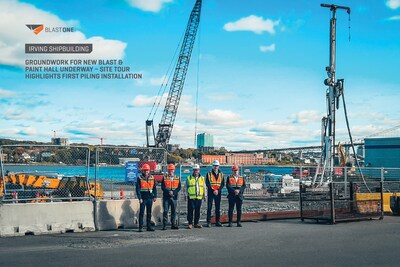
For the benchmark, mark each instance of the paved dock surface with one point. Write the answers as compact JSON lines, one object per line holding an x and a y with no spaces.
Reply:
{"x":269,"y":243}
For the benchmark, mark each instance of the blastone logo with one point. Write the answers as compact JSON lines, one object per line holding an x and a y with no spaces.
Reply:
{"x":36,"y":28}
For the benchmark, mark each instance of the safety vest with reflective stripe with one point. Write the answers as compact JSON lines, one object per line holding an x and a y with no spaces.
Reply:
{"x":146,"y":185}
{"x":214,"y":182}
{"x":171,"y":184}
{"x":191,"y":184}
{"x":234,"y":184}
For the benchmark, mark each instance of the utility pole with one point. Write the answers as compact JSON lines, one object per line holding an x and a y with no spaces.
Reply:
{"x":334,"y":91}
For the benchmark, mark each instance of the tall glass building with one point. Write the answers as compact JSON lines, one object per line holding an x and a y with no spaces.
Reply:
{"x":205,"y":141}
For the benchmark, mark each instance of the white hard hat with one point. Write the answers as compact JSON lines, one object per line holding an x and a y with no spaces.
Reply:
{"x":215,"y":163}
{"x":196,"y":167}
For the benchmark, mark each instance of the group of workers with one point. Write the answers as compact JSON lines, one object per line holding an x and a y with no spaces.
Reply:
{"x":198,"y":188}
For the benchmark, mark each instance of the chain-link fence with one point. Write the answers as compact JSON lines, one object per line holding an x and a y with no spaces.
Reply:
{"x":117,"y":169}
{"x":42,"y":173}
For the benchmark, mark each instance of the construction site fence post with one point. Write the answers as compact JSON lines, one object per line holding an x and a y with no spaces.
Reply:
{"x":332,"y":198}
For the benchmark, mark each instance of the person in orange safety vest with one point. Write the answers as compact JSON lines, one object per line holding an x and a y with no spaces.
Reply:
{"x":146,"y":192}
{"x":235,"y":185}
{"x":170,"y":185}
{"x":215,"y":183}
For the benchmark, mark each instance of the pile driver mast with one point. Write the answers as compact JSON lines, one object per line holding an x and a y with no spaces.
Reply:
{"x":334,"y":91}
{"x":178,"y":81}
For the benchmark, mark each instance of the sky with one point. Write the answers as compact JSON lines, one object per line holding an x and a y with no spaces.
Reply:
{"x":257,"y":68}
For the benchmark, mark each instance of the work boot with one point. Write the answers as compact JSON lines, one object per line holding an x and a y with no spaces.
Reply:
{"x":218,"y":224}
{"x":174,"y":227}
{"x":239,"y":224}
{"x":140,"y":229}
{"x":164,"y":227}
{"x":230,"y":224}
{"x":190,"y":226}
{"x":198,"y":226}
{"x":150,"y":229}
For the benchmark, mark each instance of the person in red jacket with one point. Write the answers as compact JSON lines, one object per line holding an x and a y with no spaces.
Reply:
{"x":146,"y":192}
{"x":235,"y":185}
{"x":170,"y":185}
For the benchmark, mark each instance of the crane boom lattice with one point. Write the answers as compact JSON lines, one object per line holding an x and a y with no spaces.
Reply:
{"x":178,"y":81}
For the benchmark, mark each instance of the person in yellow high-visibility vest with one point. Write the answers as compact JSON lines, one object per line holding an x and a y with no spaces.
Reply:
{"x":235,"y":185}
{"x":195,"y":185}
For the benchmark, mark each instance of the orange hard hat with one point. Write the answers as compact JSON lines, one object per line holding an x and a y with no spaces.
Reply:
{"x":146,"y":167}
{"x":235,"y":167}
{"x":171,"y":167}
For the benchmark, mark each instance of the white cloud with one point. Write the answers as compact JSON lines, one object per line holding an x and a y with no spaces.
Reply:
{"x":393,"y":4}
{"x":28,"y":131}
{"x":307,"y":116}
{"x":269,"y":48}
{"x":394,"y":18}
{"x":6,"y":93}
{"x":218,"y":117}
{"x":252,"y":23}
{"x":15,"y":114}
{"x":148,"y":5}
{"x":147,"y":101}
{"x":14,"y":38}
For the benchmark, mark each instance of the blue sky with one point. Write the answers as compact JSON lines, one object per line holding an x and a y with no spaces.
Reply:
{"x":260,"y":66}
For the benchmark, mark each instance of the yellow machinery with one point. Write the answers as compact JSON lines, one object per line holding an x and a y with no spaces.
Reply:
{"x":377,"y":196}
{"x":73,"y":184}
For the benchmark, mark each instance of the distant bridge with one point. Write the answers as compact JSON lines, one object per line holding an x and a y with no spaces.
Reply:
{"x":391,"y":132}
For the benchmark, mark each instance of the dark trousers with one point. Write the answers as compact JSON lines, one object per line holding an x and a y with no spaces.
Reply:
{"x":148,"y":204}
{"x":232,"y":202}
{"x":217,"y":199}
{"x":194,"y":205}
{"x":169,"y":202}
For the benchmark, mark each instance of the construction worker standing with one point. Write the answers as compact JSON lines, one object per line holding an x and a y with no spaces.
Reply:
{"x":235,"y":185}
{"x":170,"y":185}
{"x":146,"y":192}
{"x":195,"y":185}
{"x":215,"y":183}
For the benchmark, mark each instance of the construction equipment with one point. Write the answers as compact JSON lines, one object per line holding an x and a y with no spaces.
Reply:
{"x":77,"y":187}
{"x":49,"y":184}
{"x":335,"y":90}
{"x":178,"y":81}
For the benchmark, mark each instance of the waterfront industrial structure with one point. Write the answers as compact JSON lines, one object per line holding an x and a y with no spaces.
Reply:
{"x":382,"y":152}
{"x":239,"y":158}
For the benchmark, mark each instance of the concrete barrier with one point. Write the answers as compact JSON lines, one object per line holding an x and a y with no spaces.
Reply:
{"x":122,"y":214}
{"x":46,"y":218}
